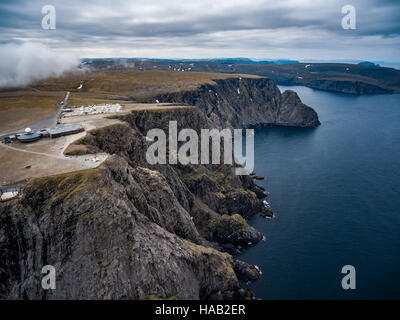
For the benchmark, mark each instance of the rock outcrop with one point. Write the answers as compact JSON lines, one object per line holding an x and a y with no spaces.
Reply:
{"x":244,"y":272}
{"x":245,"y":103}
{"x":295,"y":113}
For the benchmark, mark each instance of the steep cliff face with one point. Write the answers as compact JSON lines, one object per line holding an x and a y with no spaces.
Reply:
{"x":96,"y":228}
{"x":193,"y":185}
{"x":246,"y":103}
{"x":295,"y":113}
{"x":350,"y":87}
{"x":129,"y":230}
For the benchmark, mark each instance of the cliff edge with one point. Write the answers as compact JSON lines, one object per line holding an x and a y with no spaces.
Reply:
{"x":245,"y":103}
{"x":130,"y":230}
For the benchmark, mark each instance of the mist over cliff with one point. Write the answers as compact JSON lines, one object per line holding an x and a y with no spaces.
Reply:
{"x":21,"y":64}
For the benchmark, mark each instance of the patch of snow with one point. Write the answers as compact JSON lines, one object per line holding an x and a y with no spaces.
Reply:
{"x":9,"y":195}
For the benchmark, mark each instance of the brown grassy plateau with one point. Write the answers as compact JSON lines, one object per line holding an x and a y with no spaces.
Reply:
{"x":19,"y":108}
{"x":130,"y":83}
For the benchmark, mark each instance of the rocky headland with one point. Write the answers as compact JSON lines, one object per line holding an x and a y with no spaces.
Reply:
{"x":130,"y":230}
{"x":241,"y":102}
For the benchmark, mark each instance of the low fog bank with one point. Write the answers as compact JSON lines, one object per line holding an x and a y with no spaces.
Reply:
{"x":20,"y":64}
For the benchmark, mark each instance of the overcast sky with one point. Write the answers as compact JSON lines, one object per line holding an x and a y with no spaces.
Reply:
{"x":293,"y":29}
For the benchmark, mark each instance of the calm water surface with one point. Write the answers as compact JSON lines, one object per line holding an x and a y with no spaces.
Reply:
{"x":335,"y":190}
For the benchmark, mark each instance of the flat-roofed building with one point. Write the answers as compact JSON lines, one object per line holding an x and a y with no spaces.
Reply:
{"x":65,"y":130}
{"x":29,"y":136}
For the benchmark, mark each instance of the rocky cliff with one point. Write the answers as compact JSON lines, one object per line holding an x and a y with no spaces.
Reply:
{"x":131,"y":230}
{"x":335,"y":77}
{"x":349,"y":87}
{"x":128,"y":230}
{"x":245,"y":103}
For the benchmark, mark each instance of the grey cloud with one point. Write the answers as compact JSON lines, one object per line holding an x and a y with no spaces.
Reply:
{"x":23,"y":63}
{"x":191,"y":24}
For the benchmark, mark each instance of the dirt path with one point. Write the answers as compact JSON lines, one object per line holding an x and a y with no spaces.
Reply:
{"x":32,"y":152}
{"x":51,"y":121}
{"x":20,"y":164}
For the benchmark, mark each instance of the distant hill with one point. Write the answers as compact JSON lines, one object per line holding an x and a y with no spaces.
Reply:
{"x":368,"y":64}
{"x":216,"y":60}
{"x":338,"y":77}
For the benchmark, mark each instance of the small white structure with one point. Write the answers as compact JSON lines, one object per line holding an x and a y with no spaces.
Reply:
{"x":8,"y":195}
{"x":28,"y":130}
{"x":94,"y":110}
{"x":266,"y":204}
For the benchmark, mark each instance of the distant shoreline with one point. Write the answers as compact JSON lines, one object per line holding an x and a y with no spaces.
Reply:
{"x":355,"y":79}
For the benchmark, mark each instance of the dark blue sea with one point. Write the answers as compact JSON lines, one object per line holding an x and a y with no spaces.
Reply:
{"x":335,"y":191}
